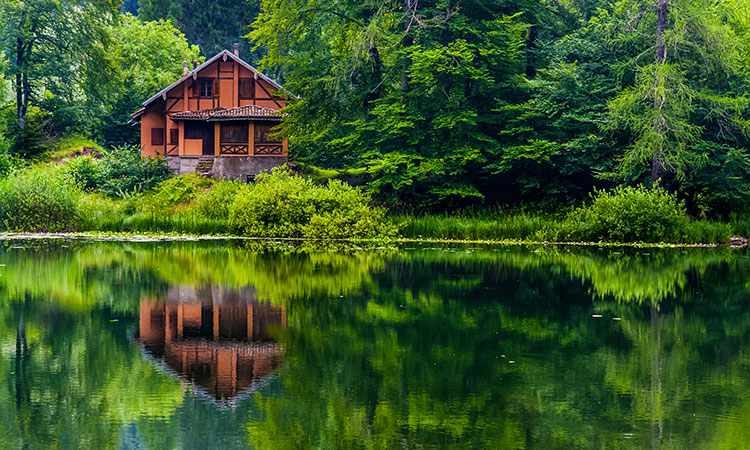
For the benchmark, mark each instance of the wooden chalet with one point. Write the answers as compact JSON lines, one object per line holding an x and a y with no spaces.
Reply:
{"x":217,"y":119}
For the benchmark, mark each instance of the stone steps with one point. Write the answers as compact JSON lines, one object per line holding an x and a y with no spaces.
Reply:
{"x":205,"y":166}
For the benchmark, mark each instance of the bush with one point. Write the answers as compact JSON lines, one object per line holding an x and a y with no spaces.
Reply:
{"x":85,"y":171}
{"x":175,"y":191}
{"x":628,"y":214}
{"x":216,"y":202}
{"x":41,"y":198}
{"x":124,"y":171}
{"x":281,"y":204}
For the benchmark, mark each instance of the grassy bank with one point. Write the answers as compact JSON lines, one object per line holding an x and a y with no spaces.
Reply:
{"x":124,"y":193}
{"x":541,"y":227}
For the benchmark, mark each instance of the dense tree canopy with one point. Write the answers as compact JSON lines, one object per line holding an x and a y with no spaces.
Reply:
{"x":437,"y":103}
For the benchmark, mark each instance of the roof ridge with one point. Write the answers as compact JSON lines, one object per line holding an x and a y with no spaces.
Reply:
{"x":210,"y":61}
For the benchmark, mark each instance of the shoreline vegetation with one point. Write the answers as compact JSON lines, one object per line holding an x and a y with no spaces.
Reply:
{"x":128,"y":236}
{"x":125,"y":195}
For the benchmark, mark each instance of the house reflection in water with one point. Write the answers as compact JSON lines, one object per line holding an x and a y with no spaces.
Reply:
{"x":217,"y":339}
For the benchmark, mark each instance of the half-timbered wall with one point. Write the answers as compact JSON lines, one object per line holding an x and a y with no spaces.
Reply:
{"x":225,"y":81}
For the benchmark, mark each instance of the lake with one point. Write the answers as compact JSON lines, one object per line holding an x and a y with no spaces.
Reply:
{"x":236,"y":344}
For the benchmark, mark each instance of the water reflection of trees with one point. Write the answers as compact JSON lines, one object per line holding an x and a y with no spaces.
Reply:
{"x":418,"y":359}
{"x":411,"y":355}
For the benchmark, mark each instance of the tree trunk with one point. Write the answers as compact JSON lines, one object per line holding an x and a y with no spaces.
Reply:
{"x":21,"y":85}
{"x":408,"y":42}
{"x":657,"y":159}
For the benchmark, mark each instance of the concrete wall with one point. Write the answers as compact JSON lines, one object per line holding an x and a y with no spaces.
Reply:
{"x":229,"y":167}
{"x":183,"y":165}
{"x":239,"y":167}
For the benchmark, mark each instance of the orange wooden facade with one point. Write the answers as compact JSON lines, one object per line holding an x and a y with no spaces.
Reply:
{"x":224,"y":347}
{"x":202,"y":113}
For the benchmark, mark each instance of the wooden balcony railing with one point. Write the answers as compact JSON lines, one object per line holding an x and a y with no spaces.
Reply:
{"x":262,"y":148}
{"x":233,"y":149}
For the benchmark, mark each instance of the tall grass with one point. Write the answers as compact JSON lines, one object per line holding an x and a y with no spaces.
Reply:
{"x":39,"y":199}
{"x":479,"y":227}
{"x":540,"y":228}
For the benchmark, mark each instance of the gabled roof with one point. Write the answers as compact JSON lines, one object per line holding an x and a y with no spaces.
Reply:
{"x":240,"y":112}
{"x":224,"y":54}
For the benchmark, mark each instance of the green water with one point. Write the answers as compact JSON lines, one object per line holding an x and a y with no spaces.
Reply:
{"x":226,"y":345}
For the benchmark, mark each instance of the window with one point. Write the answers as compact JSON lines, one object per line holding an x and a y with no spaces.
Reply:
{"x":246,"y":88}
{"x":206,"y":87}
{"x":264,"y":132}
{"x":234,"y":132}
{"x":157,"y":136}
{"x":193,"y":132}
{"x":174,"y":136}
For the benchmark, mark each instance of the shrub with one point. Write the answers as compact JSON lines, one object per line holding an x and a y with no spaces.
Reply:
{"x":123,"y":171}
{"x":628,"y":214}
{"x":85,"y":171}
{"x":216,"y":202}
{"x":41,"y":198}
{"x":175,"y":191}
{"x":281,"y":204}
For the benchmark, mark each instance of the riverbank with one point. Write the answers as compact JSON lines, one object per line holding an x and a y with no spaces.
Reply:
{"x":84,"y":196}
{"x":349,"y":243}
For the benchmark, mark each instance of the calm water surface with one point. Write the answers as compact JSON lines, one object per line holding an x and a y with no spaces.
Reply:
{"x":223,"y":345}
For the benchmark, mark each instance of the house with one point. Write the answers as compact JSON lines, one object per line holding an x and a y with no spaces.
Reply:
{"x":217,"y":119}
{"x":218,"y":340}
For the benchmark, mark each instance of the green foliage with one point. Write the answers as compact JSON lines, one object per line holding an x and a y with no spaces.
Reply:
{"x":39,"y":199}
{"x":629,"y":214}
{"x":75,"y":33}
{"x":33,"y":140}
{"x":99,"y":212}
{"x":489,"y":227}
{"x":216,"y":202}
{"x":214,"y":25}
{"x":124,"y":171}
{"x":6,"y":161}
{"x":62,"y":148}
{"x":85,"y":171}
{"x":417,"y":105}
{"x":175,"y":191}
{"x":146,"y":56}
{"x":282,"y":204}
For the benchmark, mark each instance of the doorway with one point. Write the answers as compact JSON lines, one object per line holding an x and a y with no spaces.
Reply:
{"x":203,"y":131}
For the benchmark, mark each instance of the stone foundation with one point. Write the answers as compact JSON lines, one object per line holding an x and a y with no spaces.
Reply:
{"x":229,"y":167}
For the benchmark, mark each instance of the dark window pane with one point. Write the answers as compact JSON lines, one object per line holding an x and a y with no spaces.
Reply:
{"x":234,"y":132}
{"x":246,"y":88}
{"x":207,"y":86}
{"x":157,"y":136}
{"x":193,"y":132}
{"x":174,"y":136}
{"x":264,"y":132}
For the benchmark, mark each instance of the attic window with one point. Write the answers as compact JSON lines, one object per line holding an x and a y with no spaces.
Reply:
{"x":246,"y":88}
{"x":206,"y":87}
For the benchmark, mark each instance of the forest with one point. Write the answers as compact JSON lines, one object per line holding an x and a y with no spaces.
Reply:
{"x":438,"y":105}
